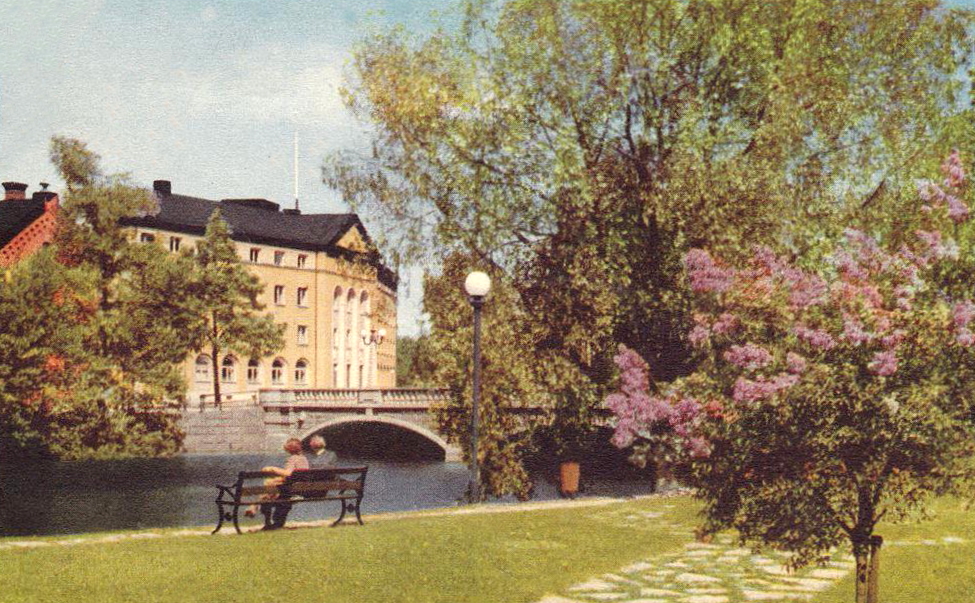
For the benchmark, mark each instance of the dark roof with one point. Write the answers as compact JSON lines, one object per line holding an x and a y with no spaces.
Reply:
{"x":254,"y":222}
{"x":17,"y":215}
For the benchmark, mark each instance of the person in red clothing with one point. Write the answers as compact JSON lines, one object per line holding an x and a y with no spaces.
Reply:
{"x":275,"y":515}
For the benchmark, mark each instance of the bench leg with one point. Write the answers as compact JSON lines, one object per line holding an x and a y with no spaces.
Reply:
{"x":341,"y":515}
{"x":236,"y":514}
{"x":219,"y":520}
{"x":358,"y":502}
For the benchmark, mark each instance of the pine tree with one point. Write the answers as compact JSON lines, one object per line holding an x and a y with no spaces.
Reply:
{"x":227,"y":310}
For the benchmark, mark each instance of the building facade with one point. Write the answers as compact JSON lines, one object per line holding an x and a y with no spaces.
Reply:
{"x":321,"y":281}
{"x":26,"y":224}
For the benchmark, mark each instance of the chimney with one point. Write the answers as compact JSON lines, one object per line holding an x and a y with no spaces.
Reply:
{"x":14,"y":191}
{"x":163,"y":187}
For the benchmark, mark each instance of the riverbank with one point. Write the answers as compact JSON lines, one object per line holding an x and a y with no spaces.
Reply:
{"x":588,"y":550}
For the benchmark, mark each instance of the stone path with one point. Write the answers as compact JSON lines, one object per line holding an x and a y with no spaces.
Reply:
{"x":718,"y":572}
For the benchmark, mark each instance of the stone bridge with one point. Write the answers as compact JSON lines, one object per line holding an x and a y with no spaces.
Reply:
{"x":263,"y":420}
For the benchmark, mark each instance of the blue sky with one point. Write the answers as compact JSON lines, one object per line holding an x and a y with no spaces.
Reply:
{"x":207,"y":94}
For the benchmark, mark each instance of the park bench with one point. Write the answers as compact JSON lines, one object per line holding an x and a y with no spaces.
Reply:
{"x":344,"y":484}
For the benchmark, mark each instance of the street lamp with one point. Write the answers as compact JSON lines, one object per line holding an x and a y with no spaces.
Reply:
{"x":477,"y":286}
{"x":370,"y":338}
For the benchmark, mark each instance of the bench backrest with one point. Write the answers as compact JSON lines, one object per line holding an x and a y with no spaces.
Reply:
{"x":308,"y":483}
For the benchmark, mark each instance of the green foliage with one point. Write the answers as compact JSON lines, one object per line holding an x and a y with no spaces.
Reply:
{"x":414,"y":365}
{"x":579,"y":148}
{"x":226,"y":314}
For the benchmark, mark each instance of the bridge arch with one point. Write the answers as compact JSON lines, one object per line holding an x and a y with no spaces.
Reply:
{"x":448,"y":450}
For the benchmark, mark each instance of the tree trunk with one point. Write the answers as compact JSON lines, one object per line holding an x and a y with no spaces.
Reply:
{"x":873,"y":578}
{"x":861,"y":553}
{"x":214,"y":352}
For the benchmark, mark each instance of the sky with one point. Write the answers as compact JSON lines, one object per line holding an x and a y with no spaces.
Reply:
{"x":206,"y":94}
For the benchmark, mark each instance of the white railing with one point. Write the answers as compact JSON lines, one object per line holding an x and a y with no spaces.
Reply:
{"x":231,"y":400}
{"x":358,"y":397}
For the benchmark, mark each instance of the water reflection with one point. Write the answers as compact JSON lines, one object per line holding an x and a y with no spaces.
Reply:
{"x":62,"y":498}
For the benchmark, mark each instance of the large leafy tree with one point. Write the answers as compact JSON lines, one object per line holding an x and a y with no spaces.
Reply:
{"x":587,"y":144}
{"x":830,"y":394}
{"x":580,"y":148}
{"x":96,"y":328}
{"x":228,"y":315}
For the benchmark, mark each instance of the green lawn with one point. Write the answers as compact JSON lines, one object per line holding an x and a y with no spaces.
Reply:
{"x":496,"y":557}
{"x":493,"y":557}
{"x":929,"y":562}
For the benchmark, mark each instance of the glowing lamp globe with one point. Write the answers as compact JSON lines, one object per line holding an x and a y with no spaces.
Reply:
{"x":477,"y":284}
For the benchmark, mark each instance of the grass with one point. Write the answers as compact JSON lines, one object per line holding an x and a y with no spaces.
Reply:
{"x":496,"y":557}
{"x":922,"y":562}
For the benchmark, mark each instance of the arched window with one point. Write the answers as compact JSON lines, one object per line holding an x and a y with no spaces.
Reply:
{"x":253,"y":372}
{"x":277,"y":372}
{"x":301,"y":372}
{"x":228,"y":369}
{"x":202,"y":369}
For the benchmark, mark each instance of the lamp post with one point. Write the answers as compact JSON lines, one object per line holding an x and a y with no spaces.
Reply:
{"x":477,"y":286}
{"x":372,"y":338}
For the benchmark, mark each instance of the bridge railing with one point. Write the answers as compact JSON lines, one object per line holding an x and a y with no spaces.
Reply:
{"x":348,"y":397}
{"x":231,"y":400}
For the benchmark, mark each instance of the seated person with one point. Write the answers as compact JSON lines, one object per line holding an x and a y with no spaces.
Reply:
{"x":296,"y":460}
{"x":324,"y":457}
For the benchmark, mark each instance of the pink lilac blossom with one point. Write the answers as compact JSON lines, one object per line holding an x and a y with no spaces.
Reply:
{"x":698,"y":447}
{"x":853,"y":330}
{"x":634,"y":372}
{"x":957,"y":210}
{"x":747,"y":390}
{"x":953,"y":170}
{"x":705,"y":274}
{"x":748,"y":356}
{"x":725,"y":324}
{"x":849,"y":268}
{"x":894,"y":339}
{"x":884,"y":363}
{"x":795,"y":363}
{"x":965,"y":338}
{"x":815,"y":337}
{"x":807,"y":290}
{"x":936,"y":248}
{"x":962,"y":314}
{"x":699,"y":336}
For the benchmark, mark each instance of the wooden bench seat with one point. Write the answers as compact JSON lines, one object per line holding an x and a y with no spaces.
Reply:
{"x":344,"y":484}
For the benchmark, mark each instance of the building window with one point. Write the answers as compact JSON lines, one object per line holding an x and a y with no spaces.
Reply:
{"x":301,"y":372}
{"x":202,"y":369}
{"x":255,"y":254}
{"x":279,"y":295}
{"x":303,"y":296}
{"x":302,"y":335}
{"x":335,"y":375}
{"x":253,"y":372}
{"x":277,"y":372}
{"x":228,"y":370}
{"x":278,"y":258}
{"x":147,"y":237}
{"x":174,"y":244}
{"x":361,"y":374}
{"x":301,"y":260}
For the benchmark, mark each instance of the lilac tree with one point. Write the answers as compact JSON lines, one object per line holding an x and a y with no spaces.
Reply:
{"x":829,"y":394}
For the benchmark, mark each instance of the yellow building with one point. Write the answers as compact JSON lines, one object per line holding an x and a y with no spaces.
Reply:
{"x":319,"y":281}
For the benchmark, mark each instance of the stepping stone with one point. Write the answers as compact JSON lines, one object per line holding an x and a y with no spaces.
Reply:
{"x":676,"y":564}
{"x":606,"y":596}
{"x":759,"y":560}
{"x":727,"y":560}
{"x":689,"y":578}
{"x":557,"y":599}
{"x":810,"y":583}
{"x":639,"y":566}
{"x":700,"y":553}
{"x":952,"y":540}
{"x":648,"y":601}
{"x":658,"y":592}
{"x":701,"y":545}
{"x":616,"y":578}
{"x":738,"y":552}
{"x":776,"y":570}
{"x":597,"y":585}
{"x":705,"y":599}
{"x":706,"y":591}
{"x":755,"y":595}
{"x":830,"y":574}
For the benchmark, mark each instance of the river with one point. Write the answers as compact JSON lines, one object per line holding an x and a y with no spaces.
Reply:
{"x":39,"y":498}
